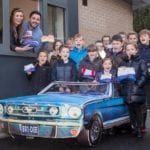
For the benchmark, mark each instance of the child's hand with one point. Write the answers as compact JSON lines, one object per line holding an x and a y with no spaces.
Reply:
{"x":61,"y":89}
{"x":26,"y":48}
{"x":68,"y":90}
{"x":48,"y":38}
{"x":29,"y":73}
{"x":94,"y":81}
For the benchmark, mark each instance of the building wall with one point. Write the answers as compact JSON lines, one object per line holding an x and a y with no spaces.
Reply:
{"x":26,"y":5}
{"x":101,"y":17}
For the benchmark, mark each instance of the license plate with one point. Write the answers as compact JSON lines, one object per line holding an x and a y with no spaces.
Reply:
{"x":30,"y":130}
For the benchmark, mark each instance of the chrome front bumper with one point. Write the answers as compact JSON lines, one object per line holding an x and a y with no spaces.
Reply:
{"x":46,"y":129}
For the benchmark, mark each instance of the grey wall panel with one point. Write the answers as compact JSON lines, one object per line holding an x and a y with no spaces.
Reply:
{"x":73,"y":25}
{"x":13,"y":81}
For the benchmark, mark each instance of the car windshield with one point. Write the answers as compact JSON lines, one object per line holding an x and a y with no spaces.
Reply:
{"x":77,"y":87}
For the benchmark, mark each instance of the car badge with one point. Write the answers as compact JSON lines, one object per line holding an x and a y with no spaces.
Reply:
{"x":29,"y":109}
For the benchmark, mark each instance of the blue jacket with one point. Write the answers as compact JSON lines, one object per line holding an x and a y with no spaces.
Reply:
{"x":77,"y":55}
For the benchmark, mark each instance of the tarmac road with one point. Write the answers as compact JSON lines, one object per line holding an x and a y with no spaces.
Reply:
{"x":121,"y":141}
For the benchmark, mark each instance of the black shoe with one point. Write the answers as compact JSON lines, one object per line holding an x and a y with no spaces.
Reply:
{"x":134,"y":132}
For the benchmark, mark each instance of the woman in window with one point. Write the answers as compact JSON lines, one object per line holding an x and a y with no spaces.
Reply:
{"x":16,"y":21}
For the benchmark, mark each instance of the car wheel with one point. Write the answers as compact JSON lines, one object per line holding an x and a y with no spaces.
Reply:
{"x":90,"y":137}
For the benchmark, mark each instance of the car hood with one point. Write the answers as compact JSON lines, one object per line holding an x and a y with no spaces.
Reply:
{"x":55,"y":98}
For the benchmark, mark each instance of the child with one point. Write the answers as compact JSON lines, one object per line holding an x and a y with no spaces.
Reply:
{"x":106,"y":39}
{"x":27,"y":39}
{"x":39,"y":74}
{"x":64,"y":69}
{"x":132,"y":86}
{"x":54,"y":55}
{"x":144,"y":46}
{"x":123,"y":36}
{"x":107,"y":73}
{"x":102,"y":53}
{"x":89,"y":65}
{"x":144,"y":52}
{"x":132,"y":37}
{"x":117,"y":50}
{"x":79,"y":51}
{"x":70,"y":43}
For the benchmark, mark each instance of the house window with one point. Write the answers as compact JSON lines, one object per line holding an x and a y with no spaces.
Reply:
{"x":56,"y":21}
{"x":1,"y":22}
{"x":84,"y":2}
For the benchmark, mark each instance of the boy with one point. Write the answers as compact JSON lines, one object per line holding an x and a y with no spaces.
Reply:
{"x":63,"y":69}
{"x":117,"y":50}
{"x":124,"y":36}
{"x":89,"y":65}
{"x":106,"y":39}
{"x":144,"y":46}
{"x":102,"y":53}
{"x":79,"y":51}
{"x":144,"y":52}
{"x":132,"y":37}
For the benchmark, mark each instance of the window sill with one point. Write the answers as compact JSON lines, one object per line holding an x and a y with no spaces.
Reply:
{"x":16,"y":54}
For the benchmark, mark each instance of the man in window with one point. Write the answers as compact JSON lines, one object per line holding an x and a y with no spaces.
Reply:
{"x":32,"y":32}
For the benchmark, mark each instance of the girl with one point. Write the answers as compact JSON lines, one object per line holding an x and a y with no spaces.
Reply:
{"x":16,"y":21}
{"x":102,"y":53}
{"x":54,"y":55}
{"x":107,"y":74}
{"x":132,"y":86}
{"x":40,"y":75}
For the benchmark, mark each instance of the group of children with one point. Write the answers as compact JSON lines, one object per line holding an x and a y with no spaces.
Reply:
{"x":121,"y":59}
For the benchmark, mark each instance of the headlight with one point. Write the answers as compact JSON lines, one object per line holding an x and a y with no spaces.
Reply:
{"x":74,"y":112}
{"x":1,"y":109}
{"x":10,"y":109}
{"x":53,"y":110}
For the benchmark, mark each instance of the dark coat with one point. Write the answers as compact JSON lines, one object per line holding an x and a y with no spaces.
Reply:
{"x":144,"y":52}
{"x":108,"y":54}
{"x":40,"y":78}
{"x":117,"y":58}
{"x":133,"y":90}
{"x":14,"y":41}
{"x":94,"y":66}
{"x":63,"y":71}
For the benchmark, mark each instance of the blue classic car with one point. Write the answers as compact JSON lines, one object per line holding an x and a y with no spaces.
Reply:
{"x":64,"y":110}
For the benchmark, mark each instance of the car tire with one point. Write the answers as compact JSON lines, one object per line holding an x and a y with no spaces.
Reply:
{"x":91,"y":136}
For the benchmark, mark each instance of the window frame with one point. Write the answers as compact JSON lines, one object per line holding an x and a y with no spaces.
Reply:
{"x":70,"y":27}
{"x":54,"y":28}
{"x":54,"y":3}
{"x":4,"y":46}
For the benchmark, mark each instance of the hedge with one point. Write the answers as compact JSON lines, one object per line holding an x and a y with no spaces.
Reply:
{"x":141,"y":18}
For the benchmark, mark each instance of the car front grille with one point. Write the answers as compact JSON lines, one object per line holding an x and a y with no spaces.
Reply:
{"x":28,"y":110}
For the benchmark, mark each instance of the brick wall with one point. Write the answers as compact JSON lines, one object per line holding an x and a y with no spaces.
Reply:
{"x":26,"y":5}
{"x":104,"y":17}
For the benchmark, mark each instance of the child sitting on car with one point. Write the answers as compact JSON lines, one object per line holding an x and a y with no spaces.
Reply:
{"x":64,"y":69}
{"x":107,"y":74}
